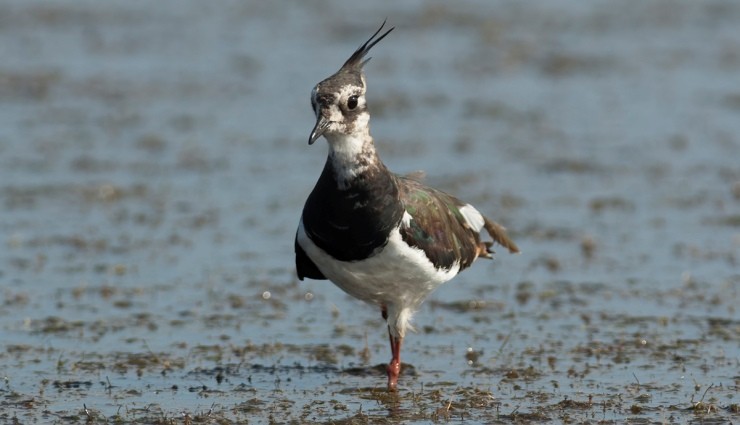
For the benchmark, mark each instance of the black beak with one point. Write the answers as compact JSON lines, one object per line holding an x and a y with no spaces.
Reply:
{"x":319,"y":129}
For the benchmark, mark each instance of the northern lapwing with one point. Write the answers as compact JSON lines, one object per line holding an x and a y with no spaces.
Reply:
{"x":383,"y":238}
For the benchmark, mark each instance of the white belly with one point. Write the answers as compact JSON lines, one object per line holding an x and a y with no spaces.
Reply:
{"x":398,"y":277}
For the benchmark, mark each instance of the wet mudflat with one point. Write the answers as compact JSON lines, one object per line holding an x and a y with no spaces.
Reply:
{"x":153,"y":165}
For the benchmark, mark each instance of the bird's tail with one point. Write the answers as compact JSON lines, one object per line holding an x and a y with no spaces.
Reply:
{"x":499,"y":235}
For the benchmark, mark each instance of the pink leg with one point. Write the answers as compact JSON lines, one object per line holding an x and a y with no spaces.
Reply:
{"x":394,"y":367}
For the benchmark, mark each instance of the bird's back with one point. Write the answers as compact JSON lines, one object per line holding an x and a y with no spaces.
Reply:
{"x":439,"y":225}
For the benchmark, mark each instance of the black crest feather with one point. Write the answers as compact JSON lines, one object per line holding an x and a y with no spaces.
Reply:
{"x":355,"y":61}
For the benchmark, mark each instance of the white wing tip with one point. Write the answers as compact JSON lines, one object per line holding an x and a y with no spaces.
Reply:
{"x":473,"y":217}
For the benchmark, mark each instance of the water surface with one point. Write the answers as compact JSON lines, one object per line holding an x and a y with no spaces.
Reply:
{"x":153,"y":166}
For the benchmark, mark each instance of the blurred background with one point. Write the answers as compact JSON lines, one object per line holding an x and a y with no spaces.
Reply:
{"x":154,"y":164}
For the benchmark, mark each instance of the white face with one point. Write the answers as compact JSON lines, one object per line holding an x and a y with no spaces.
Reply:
{"x":343,"y":107}
{"x":342,"y":118}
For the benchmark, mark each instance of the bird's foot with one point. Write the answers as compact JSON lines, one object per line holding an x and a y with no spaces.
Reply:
{"x":393,"y":369}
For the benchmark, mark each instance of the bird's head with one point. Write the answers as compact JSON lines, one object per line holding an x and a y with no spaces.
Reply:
{"x":339,"y":101}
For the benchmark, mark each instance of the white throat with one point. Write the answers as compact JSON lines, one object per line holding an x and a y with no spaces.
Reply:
{"x":352,"y":154}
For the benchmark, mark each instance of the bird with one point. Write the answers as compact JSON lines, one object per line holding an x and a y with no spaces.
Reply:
{"x":384,"y":238}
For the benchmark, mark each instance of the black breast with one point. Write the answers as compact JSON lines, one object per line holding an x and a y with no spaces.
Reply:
{"x":352,"y":224}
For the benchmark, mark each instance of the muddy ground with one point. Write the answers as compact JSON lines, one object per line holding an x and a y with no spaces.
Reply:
{"x":153,"y":166}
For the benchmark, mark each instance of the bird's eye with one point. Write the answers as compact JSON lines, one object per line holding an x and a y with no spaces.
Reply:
{"x":352,"y":102}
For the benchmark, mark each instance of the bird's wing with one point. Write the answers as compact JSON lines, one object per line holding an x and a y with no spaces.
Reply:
{"x":445,"y":228}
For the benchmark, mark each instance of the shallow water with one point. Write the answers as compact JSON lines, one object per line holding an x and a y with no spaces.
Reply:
{"x":153,"y":166}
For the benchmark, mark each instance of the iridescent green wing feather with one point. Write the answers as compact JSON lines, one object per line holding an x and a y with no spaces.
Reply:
{"x":440,"y":228}
{"x":437,"y":226}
